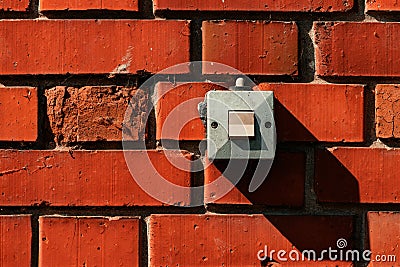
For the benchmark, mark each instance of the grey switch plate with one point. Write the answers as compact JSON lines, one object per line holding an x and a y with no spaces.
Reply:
{"x":220,"y":145}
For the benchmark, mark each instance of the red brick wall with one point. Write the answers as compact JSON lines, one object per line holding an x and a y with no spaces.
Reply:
{"x":68,"y":70}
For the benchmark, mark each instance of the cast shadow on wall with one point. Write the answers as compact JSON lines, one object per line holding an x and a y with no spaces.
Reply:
{"x":285,"y":187}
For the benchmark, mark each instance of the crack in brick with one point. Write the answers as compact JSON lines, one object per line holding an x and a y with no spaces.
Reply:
{"x":7,"y":172}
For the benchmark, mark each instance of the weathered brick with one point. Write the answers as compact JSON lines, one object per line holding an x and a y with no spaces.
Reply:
{"x":280,"y":179}
{"x":382,"y":5}
{"x":104,"y":46}
{"x":16,"y":239}
{"x":318,"y":112}
{"x":89,"y":241}
{"x":234,"y":240}
{"x":18,"y":114}
{"x":384,"y":236}
{"x":127,"y":5}
{"x":387,"y":111}
{"x":251,"y":47}
{"x":177,"y":116}
{"x":14,"y":5}
{"x":254,"y":5}
{"x":86,"y":178}
{"x":377,"y":52}
{"x":95,"y":113}
{"x":357,"y":175}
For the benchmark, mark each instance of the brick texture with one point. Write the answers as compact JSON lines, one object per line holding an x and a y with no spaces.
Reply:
{"x":384,"y":233}
{"x":229,"y":240}
{"x":177,"y":116}
{"x":15,"y":242}
{"x":357,"y":175}
{"x":88,"y":241}
{"x":127,"y":5}
{"x":342,"y":120}
{"x":251,"y":47}
{"x":329,"y":112}
{"x":280,"y":179}
{"x":382,"y":5}
{"x":14,"y":5}
{"x":255,"y":5}
{"x":94,"y":113}
{"x":79,"y":76}
{"x":105,"y":46}
{"x":376,"y":54}
{"x":18,"y":114}
{"x":83,"y":178}
{"x":387,"y":111}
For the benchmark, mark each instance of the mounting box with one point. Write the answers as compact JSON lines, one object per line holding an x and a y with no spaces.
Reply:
{"x":240,"y":125}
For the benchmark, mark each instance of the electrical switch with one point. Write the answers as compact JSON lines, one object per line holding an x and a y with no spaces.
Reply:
{"x":241,"y":124}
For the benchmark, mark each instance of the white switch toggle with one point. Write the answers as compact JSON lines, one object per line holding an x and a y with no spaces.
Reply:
{"x":241,"y":123}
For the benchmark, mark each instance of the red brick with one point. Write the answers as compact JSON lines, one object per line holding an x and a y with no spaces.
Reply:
{"x":18,"y":114}
{"x":382,"y":5}
{"x":84,"y":178}
{"x":357,"y":175}
{"x":14,"y":5}
{"x":234,"y":240}
{"x":377,"y":52}
{"x":127,"y":5}
{"x":251,"y":47}
{"x":104,"y":46}
{"x":95,"y":113}
{"x":280,"y":179}
{"x":253,"y":5}
{"x":318,"y":112}
{"x":88,"y":241}
{"x":176,"y":109}
{"x":387,"y":111}
{"x":384,"y":236}
{"x":16,"y":238}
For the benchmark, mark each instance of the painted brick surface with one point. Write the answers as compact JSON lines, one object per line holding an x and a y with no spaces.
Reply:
{"x":88,"y":241}
{"x":357,"y":175}
{"x":387,"y":111}
{"x":16,"y":235}
{"x":251,"y":47}
{"x":95,"y":113}
{"x":318,"y":112}
{"x":84,"y":178}
{"x":382,"y":5}
{"x":18,"y":114}
{"x":376,"y":53}
{"x":68,"y":70}
{"x":229,"y":240}
{"x":127,"y":5}
{"x":255,"y":5}
{"x":280,"y":179}
{"x":176,"y":110}
{"x":384,"y":231}
{"x":104,"y":46}
{"x":14,"y":5}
